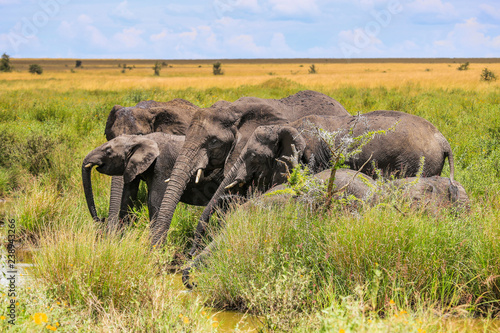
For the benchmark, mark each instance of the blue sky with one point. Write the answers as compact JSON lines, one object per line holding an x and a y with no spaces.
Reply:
{"x":216,"y":29}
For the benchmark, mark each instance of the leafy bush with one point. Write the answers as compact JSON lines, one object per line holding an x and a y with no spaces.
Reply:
{"x":5,"y":65}
{"x":463,"y":67}
{"x":35,"y":69}
{"x":487,"y":75}
{"x":217,"y":68}
{"x":312,"y":69}
{"x":78,"y":63}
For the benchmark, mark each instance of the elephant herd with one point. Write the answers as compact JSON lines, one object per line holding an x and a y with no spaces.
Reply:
{"x":199,"y":156}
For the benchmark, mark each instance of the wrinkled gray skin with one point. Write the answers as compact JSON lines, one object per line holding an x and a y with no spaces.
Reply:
{"x":172,"y":117}
{"x":397,"y":152}
{"x":217,"y":135}
{"x":144,"y":157}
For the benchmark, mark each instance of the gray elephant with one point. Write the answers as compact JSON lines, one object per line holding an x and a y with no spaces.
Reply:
{"x":217,"y":135}
{"x":396,"y":153}
{"x":147,"y":157}
{"x":172,"y":117}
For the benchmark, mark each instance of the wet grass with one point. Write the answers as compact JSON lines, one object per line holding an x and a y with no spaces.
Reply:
{"x":378,"y":270}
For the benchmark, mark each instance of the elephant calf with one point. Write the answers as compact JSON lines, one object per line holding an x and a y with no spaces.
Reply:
{"x":150,"y":158}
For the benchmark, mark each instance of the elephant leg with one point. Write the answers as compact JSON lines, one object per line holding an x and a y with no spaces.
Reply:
{"x":129,"y":196}
{"x":115,"y":201}
{"x":222,"y":206}
{"x":197,"y":262}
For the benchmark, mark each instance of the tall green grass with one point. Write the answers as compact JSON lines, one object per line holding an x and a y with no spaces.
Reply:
{"x":387,"y":258}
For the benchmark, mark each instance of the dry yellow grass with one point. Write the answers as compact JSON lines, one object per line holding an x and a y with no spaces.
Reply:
{"x":106,"y":75}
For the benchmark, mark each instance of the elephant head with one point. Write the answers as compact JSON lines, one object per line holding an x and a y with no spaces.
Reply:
{"x":172,"y":117}
{"x":126,"y":155}
{"x":263,"y":162}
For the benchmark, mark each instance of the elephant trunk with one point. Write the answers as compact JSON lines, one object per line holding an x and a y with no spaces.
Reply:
{"x":214,"y":203}
{"x":115,"y":202}
{"x":180,"y":176}
{"x":87,"y":187}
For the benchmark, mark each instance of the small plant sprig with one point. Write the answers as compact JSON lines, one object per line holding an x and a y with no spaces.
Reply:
{"x":343,"y":146}
{"x":312,"y":69}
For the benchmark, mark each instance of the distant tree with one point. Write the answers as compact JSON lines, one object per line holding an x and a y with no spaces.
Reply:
{"x":78,"y":64}
{"x":35,"y":69}
{"x":164,"y":64}
{"x":463,"y":67}
{"x":487,"y":75}
{"x":312,"y":69}
{"x":5,"y":65}
{"x":157,"y":68}
{"x":217,"y":68}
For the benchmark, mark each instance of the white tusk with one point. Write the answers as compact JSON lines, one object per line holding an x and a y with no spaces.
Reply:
{"x":167,"y":180}
{"x":198,"y":175}
{"x":231,"y":185}
{"x":89,"y":165}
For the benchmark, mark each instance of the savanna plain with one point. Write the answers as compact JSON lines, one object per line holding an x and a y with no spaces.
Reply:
{"x":392,"y":267}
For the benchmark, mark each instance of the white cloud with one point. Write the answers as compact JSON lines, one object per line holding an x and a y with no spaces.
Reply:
{"x":96,"y":37}
{"x":432,"y":6}
{"x":490,"y":10}
{"x":67,"y":30}
{"x":294,"y":7}
{"x":123,"y":11}
{"x":470,"y":37}
{"x":248,"y":4}
{"x":129,"y":38}
{"x":246,"y":44}
{"x":85,"y":19}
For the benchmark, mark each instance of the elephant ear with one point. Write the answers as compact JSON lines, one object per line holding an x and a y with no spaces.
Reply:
{"x":288,"y":136}
{"x":111,"y":120}
{"x":141,"y":155}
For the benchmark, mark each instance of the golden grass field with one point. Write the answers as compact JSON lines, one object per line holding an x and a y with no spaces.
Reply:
{"x":107,"y":75}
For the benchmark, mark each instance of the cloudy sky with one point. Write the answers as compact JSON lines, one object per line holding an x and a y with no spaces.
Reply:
{"x":249,"y":28}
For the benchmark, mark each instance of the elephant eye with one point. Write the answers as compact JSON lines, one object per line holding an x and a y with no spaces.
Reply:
{"x":214,"y":141}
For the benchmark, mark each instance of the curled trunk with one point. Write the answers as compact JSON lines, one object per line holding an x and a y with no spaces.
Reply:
{"x":214,"y":203}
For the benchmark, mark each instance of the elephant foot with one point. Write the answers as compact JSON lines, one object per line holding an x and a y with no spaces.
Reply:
{"x":185,"y":278}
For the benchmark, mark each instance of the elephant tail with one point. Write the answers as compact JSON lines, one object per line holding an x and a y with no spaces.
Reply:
{"x":453,"y":189}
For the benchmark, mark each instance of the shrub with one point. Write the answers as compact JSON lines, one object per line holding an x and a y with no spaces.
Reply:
{"x":5,"y":65}
{"x":217,"y":69}
{"x":35,"y":69}
{"x":312,"y":69}
{"x":487,"y":75}
{"x":157,"y":68}
{"x":78,"y":64}
{"x":463,"y":67}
